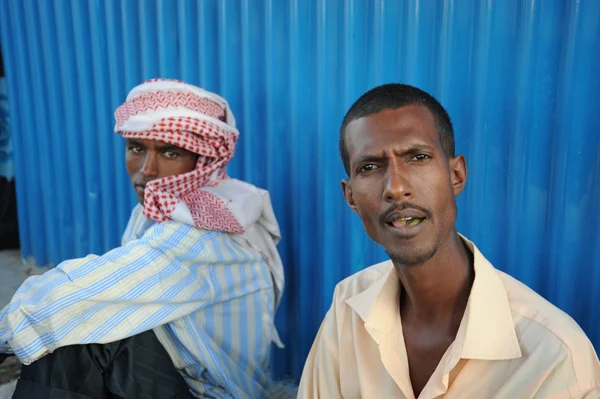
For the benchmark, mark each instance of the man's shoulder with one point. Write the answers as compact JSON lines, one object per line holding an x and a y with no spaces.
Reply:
{"x":531,"y":305}
{"x":536,"y":316}
{"x":175,"y":238}
{"x":361,"y":280}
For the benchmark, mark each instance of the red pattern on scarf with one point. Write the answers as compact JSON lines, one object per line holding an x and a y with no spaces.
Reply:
{"x":214,"y":143}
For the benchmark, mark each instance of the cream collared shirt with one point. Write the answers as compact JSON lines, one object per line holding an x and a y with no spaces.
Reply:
{"x":511,"y":344}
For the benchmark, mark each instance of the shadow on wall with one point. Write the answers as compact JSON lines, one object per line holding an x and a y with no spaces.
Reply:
{"x":9,"y":232}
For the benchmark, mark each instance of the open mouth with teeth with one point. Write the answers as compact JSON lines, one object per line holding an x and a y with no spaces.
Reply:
{"x":409,"y":221}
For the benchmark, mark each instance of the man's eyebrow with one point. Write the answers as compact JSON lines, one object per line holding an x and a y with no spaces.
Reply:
{"x":134,"y":142}
{"x":160,"y":147}
{"x":370,"y":158}
{"x":374,"y":157}
{"x":169,"y":147}
{"x":416,"y":148}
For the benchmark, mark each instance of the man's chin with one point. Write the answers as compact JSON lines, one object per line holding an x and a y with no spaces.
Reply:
{"x":411,"y":256}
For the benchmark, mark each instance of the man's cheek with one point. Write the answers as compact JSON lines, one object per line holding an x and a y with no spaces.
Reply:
{"x":367,"y":211}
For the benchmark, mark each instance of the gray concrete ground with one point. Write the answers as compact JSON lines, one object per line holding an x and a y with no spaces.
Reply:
{"x":7,"y":390}
{"x":13,"y":271}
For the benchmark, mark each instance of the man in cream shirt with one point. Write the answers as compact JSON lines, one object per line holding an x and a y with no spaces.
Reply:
{"x":437,"y":320}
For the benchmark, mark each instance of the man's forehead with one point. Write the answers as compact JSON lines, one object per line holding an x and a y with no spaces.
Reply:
{"x":408,"y":125}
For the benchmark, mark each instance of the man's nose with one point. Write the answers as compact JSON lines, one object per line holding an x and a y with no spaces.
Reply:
{"x":150,"y":167}
{"x":397,"y":184}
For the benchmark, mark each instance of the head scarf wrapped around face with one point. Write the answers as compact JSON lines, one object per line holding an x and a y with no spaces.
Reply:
{"x":194,"y":119}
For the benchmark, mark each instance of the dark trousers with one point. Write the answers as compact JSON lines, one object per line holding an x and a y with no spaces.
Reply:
{"x":136,"y":367}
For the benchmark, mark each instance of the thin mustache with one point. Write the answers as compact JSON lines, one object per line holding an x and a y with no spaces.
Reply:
{"x":400,"y":207}
{"x":142,"y":183}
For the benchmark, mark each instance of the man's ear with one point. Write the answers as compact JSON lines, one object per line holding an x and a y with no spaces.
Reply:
{"x":458,"y":174}
{"x":347,"y":190}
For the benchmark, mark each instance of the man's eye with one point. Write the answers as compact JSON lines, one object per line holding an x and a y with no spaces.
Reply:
{"x":171,"y":154}
{"x":135,"y":149}
{"x":420,"y":157}
{"x":367,"y":168}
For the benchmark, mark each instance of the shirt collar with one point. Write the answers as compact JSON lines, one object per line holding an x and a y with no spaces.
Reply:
{"x":486,"y":331}
{"x":378,"y":304}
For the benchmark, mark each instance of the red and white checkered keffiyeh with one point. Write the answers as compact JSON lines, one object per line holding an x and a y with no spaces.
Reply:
{"x":188,"y":117}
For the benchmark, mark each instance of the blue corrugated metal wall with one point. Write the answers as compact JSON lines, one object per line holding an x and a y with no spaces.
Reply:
{"x":519,"y":78}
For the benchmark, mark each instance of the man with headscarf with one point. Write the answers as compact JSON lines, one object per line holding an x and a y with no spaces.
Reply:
{"x":185,"y":307}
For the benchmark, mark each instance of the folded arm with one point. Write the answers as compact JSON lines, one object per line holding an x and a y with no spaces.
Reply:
{"x":99,"y":299}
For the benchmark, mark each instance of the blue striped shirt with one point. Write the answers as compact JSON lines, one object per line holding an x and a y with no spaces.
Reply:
{"x":209,"y":300}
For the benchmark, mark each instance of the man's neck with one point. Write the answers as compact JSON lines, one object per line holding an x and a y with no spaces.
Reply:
{"x":436,"y":292}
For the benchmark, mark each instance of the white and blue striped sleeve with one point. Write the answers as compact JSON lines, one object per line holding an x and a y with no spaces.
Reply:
{"x":100,"y":299}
